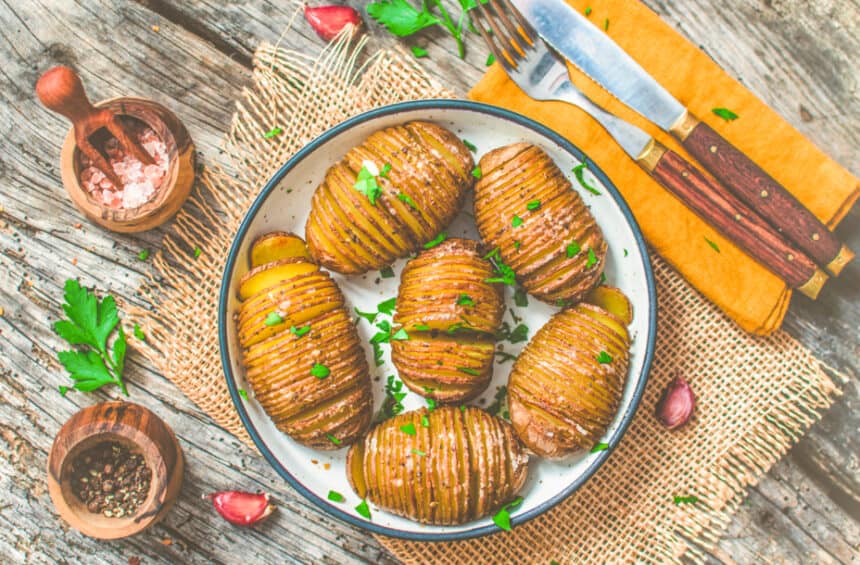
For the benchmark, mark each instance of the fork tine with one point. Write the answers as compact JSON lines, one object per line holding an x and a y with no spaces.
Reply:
{"x":525,"y":28}
{"x":498,"y":41}
{"x":516,"y":32}
{"x":500,"y":54}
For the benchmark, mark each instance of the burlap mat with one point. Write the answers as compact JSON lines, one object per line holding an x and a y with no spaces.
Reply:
{"x":757,"y":396}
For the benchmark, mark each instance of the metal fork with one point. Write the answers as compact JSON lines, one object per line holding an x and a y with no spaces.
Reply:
{"x":542,"y":75}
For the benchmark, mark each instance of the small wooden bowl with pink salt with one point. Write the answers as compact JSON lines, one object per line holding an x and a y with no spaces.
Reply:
{"x":151,"y":193}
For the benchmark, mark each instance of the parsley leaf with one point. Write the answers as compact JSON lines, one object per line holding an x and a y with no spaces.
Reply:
{"x":469,"y":371}
{"x":469,"y":145}
{"x":363,"y":509}
{"x":516,"y":221}
{"x":333,"y":439}
{"x":436,"y":240}
{"x":521,"y":299}
{"x":400,"y":335}
{"x":418,"y":452}
{"x":273,"y":319}
{"x":387,"y":306}
{"x":299,"y":332}
{"x":465,"y":300}
{"x":369,"y":316}
{"x":691,"y":499}
{"x":386,"y":273}
{"x":573,"y":249}
{"x":503,"y":517}
{"x":504,"y":273}
{"x":491,"y":59}
{"x":405,"y":198}
{"x":335,"y":496}
{"x":419,"y":52}
{"x":394,"y":396}
{"x":425,"y":422}
{"x":600,"y":447}
{"x":320,"y":371}
{"x":197,"y":252}
{"x":604,"y":358}
{"x":365,"y":183}
{"x":90,"y":324}
{"x":533,"y":205}
{"x":713,"y":245}
{"x":476,"y":172}
{"x":143,"y":255}
{"x":274,"y":132}
{"x":578,"y":171}
{"x":499,"y":407}
{"x":243,"y":393}
{"x":725,"y":114}
{"x":138,"y":333}
{"x":400,"y":17}
{"x":592,"y":259}
{"x":408,"y":429}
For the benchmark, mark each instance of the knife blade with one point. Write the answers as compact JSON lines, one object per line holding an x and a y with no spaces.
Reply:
{"x":599,"y":57}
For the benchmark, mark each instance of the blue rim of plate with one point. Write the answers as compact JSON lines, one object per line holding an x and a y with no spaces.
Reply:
{"x":224,"y":318}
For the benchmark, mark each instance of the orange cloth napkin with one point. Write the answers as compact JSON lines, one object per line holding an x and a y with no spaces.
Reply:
{"x":756,"y":299}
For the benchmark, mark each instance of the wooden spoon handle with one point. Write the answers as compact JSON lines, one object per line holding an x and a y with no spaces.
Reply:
{"x":735,"y":220}
{"x":60,"y":89}
{"x":771,"y":200}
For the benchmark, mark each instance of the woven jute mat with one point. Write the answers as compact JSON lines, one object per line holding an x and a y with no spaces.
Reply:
{"x":756,"y":396}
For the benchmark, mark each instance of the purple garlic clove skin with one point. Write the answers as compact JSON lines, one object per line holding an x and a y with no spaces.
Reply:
{"x":675,"y":407}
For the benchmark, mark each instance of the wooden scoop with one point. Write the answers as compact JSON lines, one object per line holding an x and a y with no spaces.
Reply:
{"x":60,"y":89}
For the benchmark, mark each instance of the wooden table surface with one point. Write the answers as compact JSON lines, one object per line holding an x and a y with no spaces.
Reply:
{"x":194,"y":56}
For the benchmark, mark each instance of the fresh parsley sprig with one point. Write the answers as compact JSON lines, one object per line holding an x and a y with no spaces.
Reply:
{"x":91,"y":323}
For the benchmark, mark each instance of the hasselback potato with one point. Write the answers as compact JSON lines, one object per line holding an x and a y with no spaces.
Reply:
{"x":394,"y":192}
{"x":565,"y":386}
{"x":463,"y":465}
{"x":300,"y":350}
{"x":526,"y":207}
{"x":451,"y":315}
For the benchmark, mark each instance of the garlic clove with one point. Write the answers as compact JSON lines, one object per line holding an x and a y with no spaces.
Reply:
{"x":676,"y":405}
{"x":328,"y":21}
{"x":241,"y":508}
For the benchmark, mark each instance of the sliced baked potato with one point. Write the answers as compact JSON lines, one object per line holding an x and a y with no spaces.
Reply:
{"x":394,"y":192}
{"x":565,"y":386}
{"x":526,"y":207}
{"x":462,"y":465}
{"x":301,"y":353}
{"x":451,"y":315}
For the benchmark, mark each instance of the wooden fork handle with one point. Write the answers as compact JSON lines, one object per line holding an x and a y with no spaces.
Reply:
{"x":762,"y":193}
{"x":734,"y":219}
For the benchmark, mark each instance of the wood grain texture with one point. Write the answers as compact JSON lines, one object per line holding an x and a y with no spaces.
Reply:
{"x":763,"y":194}
{"x":734,"y":219}
{"x":799,"y":56}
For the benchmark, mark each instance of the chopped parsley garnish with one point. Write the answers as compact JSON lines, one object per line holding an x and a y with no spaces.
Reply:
{"x":143,"y":255}
{"x":519,"y":334}
{"x":491,"y":59}
{"x":626,"y":252}
{"x":421,"y":327}
{"x":431,"y":403}
{"x":469,"y":145}
{"x":365,"y":183}
{"x":369,"y":316}
{"x":533,"y":205}
{"x":418,"y":52}
{"x":499,"y":407}
{"x":725,"y":114}
{"x":400,"y":17}
{"x":469,"y":371}
{"x":504,"y":356}
{"x":274,"y":132}
{"x":476,"y":172}
{"x":243,"y":394}
{"x":504,"y":273}
{"x":299,"y":332}
{"x":465,"y":300}
{"x":320,"y":371}
{"x":386,"y":168}
{"x":517,"y":245}
{"x":335,"y":496}
{"x":516,"y":221}
{"x":394,"y":396}
{"x":604,"y":358}
{"x":454,"y":328}
{"x":503,"y":517}
{"x":592,"y":259}
{"x":273,"y":319}
{"x":363,"y":509}
{"x":405,"y":198}
{"x":600,"y":447}
{"x":602,"y":278}
{"x":521,"y":298}
{"x":387,"y":306}
{"x":463,"y":408}
{"x":425,"y":421}
{"x":573,"y":249}
{"x":436,"y":240}
{"x":408,"y":429}
{"x":578,"y":171}
{"x":606,"y":24}
{"x":588,"y":11}
{"x":400,"y":335}
{"x":138,"y":333}
{"x":62,"y":389}
{"x":691,"y":499}
{"x":333,"y":439}
{"x":418,"y":452}
{"x":197,"y":252}
{"x":386,"y":273}
{"x":713,"y":245}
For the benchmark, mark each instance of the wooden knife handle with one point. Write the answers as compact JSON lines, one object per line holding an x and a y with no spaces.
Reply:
{"x":767,"y":197}
{"x":734,"y":219}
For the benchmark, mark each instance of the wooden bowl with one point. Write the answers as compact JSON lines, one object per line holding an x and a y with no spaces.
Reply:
{"x":176,"y":185}
{"x":135,"y":427}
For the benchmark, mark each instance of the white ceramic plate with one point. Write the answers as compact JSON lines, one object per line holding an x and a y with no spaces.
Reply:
{"x":284,"y":204}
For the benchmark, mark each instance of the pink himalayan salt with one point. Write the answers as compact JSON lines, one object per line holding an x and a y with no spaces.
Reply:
{"x":140,"y":182}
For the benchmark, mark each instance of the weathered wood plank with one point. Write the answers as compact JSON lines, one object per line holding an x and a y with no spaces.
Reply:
{"x":792,"y":53}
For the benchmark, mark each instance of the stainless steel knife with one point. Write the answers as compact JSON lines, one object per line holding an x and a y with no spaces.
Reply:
{"x":599,"y":57}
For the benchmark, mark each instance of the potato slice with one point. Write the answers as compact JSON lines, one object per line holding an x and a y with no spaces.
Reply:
{"x":462,"y":465}
{"x":278,"y":245}
{"x":566,"y":385}
{"x":354,"y":230}
{"x":266,"y":276}
{"x":613,"y":301}
{"x":526,"y":207}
